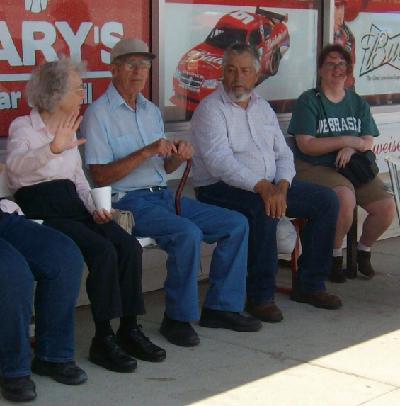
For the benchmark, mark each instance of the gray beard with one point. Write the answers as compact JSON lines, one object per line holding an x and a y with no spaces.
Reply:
{"x":238,"y":99}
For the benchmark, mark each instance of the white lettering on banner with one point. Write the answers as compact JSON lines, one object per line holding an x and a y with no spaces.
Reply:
{"x":108,"y":39}
{"x":88,"y":97}
{"x":36,"y":6}
{"x":9,"y":100}
{"x":110,"y":34}
{"x":30,"y":45}
{"x":9,"y":52}
{"x":74,"y":41}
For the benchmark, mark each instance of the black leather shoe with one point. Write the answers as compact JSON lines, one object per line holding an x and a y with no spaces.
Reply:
{"x":179,"y":332}
{"x":364,"y":264}
{"x":67,"y":373}
{"x":21,"y":389}
{"x":135,"y":343}
{"x":229,"y":320}
{"x":106,"y":352}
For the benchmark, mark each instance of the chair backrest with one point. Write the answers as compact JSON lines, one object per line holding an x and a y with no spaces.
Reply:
{"x":4,"y":190}
{"x":394,"y":168}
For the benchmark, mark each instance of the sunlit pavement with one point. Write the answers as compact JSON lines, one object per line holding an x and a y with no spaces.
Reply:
{"x":314,"y":357}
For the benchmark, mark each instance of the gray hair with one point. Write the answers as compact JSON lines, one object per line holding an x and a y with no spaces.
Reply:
{"x":240,"y":48}
{"x":49,"y":83}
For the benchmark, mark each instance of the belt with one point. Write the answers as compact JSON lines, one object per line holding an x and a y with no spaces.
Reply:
{"x":152,"y":189}
{"x":116,"y":196}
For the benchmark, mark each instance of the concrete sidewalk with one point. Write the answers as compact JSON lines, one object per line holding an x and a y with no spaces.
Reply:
{"x":315,"y":357}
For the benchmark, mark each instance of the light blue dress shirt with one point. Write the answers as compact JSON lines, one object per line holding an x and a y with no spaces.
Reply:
{"x":114,"y":130}
{"x":238,"y":146}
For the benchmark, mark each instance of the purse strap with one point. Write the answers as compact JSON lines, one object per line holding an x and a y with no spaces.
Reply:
{"x":318,"y":95}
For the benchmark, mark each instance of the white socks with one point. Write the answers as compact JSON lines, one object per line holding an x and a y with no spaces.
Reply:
{"x":362,"y":247}
{"x":337,"y":252}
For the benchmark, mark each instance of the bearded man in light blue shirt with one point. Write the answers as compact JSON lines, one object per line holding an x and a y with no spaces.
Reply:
{"x":126,"y":148}
{"x":242,"y":162}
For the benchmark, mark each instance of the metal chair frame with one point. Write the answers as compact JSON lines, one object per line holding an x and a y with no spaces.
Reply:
{"x":394,"y":168}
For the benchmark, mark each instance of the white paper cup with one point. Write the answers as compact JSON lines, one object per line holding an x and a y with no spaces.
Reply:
{"x":102,"y":197}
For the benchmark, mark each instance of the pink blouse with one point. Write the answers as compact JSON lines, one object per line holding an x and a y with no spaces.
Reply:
{"x":30,"y":161}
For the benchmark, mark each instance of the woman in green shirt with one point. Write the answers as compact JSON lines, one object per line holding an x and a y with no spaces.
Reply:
{"x":330,"y":124}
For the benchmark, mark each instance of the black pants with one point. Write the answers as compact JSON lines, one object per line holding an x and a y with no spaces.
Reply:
{"x":113,"y":257}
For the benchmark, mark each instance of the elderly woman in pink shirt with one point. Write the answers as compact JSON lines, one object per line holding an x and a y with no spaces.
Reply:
{"x":45,"y":171}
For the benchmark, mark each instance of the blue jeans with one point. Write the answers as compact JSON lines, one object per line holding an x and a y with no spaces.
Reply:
{"x":180,"y":237}
{"x":30,"y":252}
{"x":317,"y":204}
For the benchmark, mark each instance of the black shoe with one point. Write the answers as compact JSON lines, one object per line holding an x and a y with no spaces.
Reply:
{"x":106,"y":352}
{"x":67,"y":373}
{"x":229,"y":320}
{"x":179,"y":332}
{"x":337,"y":274}
{"x":21,"y":389}
{"x":135,"y":343}
{"x":364,"y":264}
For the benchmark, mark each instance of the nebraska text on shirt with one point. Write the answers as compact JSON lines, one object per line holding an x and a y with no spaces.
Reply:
{"x":339,"y":125}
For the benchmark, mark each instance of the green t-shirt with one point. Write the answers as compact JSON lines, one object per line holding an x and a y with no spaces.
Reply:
{"x":351,"y":116}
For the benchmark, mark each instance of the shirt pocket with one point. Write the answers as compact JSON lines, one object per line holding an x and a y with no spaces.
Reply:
{"x":266,"y":137}
{"x":123,"y":145}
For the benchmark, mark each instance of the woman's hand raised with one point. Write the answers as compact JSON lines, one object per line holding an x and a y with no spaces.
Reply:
{"x":64,"y":136}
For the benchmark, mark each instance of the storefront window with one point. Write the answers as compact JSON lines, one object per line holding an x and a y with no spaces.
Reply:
{"x":196,"y":33}
{"x":34,"y":31}
{"x":370,"y":31}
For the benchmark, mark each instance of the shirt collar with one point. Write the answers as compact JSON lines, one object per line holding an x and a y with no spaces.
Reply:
{"x":36,"y":119}
{"x":116,"y":100}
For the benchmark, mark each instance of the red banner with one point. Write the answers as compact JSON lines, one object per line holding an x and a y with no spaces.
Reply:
{"x":381,"y":6}
{"x":296,"y":4}
{"x":34,"y":31}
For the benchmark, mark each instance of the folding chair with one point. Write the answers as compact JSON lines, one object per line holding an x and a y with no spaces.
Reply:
{"x":394,"y":168}
{"x":297,"y":223}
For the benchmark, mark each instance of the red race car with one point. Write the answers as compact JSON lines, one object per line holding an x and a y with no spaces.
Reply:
{"x":200,"y":70}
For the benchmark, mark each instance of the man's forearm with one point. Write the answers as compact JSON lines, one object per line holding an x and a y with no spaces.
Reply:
{"x":105,"y":174}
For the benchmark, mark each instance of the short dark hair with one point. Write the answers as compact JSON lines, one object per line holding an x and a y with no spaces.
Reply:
{"x":327,"y":49}
{"x":241,"y":48}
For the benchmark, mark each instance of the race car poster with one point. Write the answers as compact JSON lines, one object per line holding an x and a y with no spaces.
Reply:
{"x":370,"y":30}
{"x":284,"y":33}
{"x":34,"y":31}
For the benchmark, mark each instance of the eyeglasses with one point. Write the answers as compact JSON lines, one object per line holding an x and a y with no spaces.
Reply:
{"x":131,"y":66}
{"x":332,"y":65}
{"x":79,"y":89}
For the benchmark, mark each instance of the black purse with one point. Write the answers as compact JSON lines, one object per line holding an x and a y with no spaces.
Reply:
{"x":362,"y":167}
